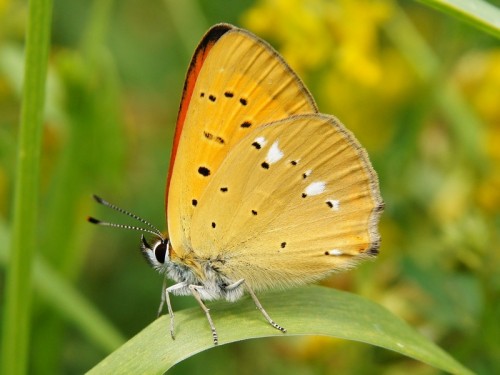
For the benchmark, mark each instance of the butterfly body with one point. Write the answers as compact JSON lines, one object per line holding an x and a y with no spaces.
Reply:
{"x":203,"y":272}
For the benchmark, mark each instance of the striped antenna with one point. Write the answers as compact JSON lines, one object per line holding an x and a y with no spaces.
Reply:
{"x":152,"y":230}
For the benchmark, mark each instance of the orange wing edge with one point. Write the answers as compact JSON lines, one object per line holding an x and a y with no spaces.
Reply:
{"x":200,"y":54}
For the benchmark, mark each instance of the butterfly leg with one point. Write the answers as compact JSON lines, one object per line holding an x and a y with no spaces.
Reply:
{"x":196,"y":295}
{"x":266,"y":315}
{"x":235,"y":285}
{"x":165,"y":297}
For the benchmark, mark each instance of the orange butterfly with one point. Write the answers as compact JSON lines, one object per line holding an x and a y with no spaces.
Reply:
{"x":263,"y":191}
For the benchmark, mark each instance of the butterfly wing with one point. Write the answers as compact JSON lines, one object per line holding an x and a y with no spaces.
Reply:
{"x":235,"y":84}
{"x":293,"y":201}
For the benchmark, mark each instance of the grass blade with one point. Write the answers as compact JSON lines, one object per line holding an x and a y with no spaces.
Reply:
{"x":18,"y":281}
{"x":478,"y":13}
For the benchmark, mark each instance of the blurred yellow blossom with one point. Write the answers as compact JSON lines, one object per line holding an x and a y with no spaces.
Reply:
{"x":318,"y":32}
{"x":294,"y":25}
{"x":3,"y":6}
{"x":478,"y":75}
{"x":336,"y":45}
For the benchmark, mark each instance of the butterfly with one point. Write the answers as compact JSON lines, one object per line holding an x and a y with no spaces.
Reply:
{"x":263,"y":191}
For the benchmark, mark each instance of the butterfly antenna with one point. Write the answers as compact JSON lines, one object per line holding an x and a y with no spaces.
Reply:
{"x":99,"y":200}
{"x":93,"y":220}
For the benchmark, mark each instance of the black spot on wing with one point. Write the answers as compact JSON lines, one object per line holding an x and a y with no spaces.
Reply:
{"x":246,"y":124}
{"x":243,"y":101}
{"x":212,"y":137}
{"x":228,"y":94}
{"x":204,"y":171}
{"x":194,"y":202}
{"x":212,"y":98}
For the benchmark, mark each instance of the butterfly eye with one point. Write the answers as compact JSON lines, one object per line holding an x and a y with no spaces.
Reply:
{"x":160,"y":250}
{"x":155,"y":254}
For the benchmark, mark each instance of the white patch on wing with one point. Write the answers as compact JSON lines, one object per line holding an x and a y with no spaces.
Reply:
{"x":315,"y":188}
{"x":274,"y":154}
{"x":335,"y":252}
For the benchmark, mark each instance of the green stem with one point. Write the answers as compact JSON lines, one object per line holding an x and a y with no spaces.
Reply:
{"x":16,"y":324}
{"x":94,"y":37}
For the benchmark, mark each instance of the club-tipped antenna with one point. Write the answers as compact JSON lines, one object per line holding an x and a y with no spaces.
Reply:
{"x":99,"y":200}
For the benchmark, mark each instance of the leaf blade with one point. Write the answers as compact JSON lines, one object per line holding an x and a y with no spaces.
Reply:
{"x":313,"y":310}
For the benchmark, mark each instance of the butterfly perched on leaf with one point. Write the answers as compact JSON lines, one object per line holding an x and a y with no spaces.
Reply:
{"x":263,"y":191}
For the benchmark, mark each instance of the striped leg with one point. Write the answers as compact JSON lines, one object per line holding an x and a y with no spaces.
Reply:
{"x":266,"y":315}
{"x":194,"y":291}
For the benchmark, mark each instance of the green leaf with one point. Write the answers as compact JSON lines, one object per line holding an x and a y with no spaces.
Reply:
{"x":309,"y":310}
{"x":478,"y":13}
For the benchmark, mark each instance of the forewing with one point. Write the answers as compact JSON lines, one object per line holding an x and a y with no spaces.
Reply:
{"x":241,"y":84}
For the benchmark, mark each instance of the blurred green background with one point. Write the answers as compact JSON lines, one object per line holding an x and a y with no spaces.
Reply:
{"x":420,"y":90}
